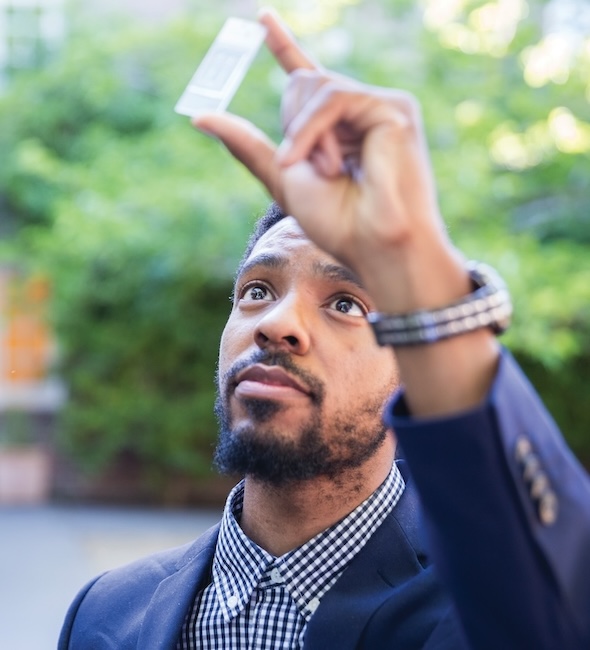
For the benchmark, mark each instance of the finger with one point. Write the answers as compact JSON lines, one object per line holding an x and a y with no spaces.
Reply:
{"x":326,"y":156}
{"x":282,"y":44}
{"x":247,"y":144}
{"x":331,"y":107}
{"x":319,"y":115}
{"x":302,"y":86}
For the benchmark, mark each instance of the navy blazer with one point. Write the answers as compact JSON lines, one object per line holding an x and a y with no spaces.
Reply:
{"x":388,"y":597}
{"x":507,"y":508}
{"x":515,"y":577}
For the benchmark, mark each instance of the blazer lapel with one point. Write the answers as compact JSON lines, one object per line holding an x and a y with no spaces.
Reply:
{"x":166,"y":612}
{"x":391,"y":558}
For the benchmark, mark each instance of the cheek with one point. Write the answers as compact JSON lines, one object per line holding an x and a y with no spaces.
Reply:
{"x":235,"y":339}
{"x":381,"y":365}
{"x":374,"y":365}
{"x":226,"y":349}
{"x":362,"y":372}
{"x":374,"y":382}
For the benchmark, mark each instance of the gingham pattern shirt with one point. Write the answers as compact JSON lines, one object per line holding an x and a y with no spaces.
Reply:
{"x":256,"y":600}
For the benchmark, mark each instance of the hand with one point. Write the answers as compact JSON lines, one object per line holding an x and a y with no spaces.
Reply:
{"x":354,"y":171}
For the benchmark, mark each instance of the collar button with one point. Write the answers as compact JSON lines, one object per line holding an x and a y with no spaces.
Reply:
{"x":313,"y":604}
{"x":275,"y":576}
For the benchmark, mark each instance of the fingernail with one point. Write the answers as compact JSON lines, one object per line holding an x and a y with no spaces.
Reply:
{"x":195,"y":121}
{"x":267,"y":10}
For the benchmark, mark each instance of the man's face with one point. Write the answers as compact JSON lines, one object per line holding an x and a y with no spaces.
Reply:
{"x":302,"y":382}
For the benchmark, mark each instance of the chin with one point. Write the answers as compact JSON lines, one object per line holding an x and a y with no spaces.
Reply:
{"x":278,"y":414}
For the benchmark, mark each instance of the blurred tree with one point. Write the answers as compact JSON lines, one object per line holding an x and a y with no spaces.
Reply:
{"x":505,"y":96}
{"x":140,"y":221}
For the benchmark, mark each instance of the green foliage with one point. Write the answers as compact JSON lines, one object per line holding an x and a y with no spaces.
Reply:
{"x":564,"y":394}
{"x":139,"y":313}
{"x":513,"y":192}
{"x":140,"y":221}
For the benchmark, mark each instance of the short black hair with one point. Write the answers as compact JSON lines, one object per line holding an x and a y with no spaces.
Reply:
{"x":271,"y":217}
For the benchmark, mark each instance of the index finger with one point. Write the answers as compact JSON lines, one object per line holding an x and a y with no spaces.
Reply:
{"x":282,"y":44}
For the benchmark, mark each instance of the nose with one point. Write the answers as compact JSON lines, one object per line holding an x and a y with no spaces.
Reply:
{"x":284,"y":326}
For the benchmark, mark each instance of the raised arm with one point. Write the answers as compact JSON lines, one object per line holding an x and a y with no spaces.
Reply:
{"x":382,"y":219}
{"x":508,"y":505}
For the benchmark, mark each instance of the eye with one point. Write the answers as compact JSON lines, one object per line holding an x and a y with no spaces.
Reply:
{"x":255,"y":292}
{"x":349,"y":306}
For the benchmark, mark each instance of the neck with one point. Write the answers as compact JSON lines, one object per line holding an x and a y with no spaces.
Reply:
{"x":280,"y":519}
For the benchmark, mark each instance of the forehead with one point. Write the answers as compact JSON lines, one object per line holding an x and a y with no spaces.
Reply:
{"x":286,"y":235}
{"x":285,"y":245}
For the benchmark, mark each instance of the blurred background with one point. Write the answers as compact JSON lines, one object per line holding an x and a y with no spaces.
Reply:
{"x":120,"y":228}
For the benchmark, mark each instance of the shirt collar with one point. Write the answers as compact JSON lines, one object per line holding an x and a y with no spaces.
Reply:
{"x":308,"y":571}
{"x":239,"y":563}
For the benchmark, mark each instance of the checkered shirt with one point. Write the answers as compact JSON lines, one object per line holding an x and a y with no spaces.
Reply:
{"x":259,"y":601}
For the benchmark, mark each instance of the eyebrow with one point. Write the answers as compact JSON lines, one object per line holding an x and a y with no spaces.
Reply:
{"x":337,"y":273}
{"x":327,"y":270}
{"x":265,"y":260}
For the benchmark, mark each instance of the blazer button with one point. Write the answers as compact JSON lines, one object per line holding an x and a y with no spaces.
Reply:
{"x":522,"y":449}
{"x":530,"y":467}
{"x":539,"y":485}
{"x":548,"y":508}
{"x":543,"y":496}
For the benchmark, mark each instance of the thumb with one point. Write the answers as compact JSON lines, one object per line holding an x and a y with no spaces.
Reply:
{"x":247,"y":144}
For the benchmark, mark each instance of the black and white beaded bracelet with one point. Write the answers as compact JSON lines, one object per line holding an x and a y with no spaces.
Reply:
{"x":489,"y":305}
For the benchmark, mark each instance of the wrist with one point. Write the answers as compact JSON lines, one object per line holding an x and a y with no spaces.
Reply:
{"x":488,"y":305}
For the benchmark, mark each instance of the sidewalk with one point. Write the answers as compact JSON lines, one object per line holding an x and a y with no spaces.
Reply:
{"x":48,"y":553}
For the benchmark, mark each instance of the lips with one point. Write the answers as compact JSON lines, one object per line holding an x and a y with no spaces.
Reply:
{"x":270,"y":376}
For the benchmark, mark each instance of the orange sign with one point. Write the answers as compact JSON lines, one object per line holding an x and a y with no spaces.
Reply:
{"x":25,"y":340}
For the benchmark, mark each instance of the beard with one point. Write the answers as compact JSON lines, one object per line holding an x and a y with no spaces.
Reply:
{"x":318,"y":448}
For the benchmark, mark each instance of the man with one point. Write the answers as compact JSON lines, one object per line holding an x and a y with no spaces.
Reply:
{"x":321,"y":545}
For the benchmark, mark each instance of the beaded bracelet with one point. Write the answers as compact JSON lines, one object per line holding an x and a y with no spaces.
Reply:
{"x":489,"y":305}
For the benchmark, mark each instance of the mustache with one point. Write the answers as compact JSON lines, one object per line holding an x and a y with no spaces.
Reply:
{"x":269,"y":358}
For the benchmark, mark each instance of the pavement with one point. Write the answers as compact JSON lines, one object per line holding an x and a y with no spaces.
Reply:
{"x":47,"y":553}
